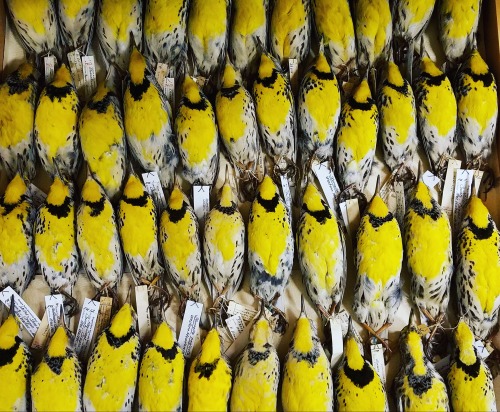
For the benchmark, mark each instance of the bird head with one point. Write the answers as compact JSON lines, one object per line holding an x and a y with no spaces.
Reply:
{"x":312,"y":199}
{"x":321,"y":63}
{"x":261,"y":333}
{"x":134,"y":188}
{"x":394,"y":74}
{"x":58,"y":192}
{"x":123,"y":321}
{"x":428,"y":66}
{"x":226,"y":196}
{"x":230,"y":77}
{"x":353,"y":355}
{"x":92,"y":191}
{"x":211,"y":347}
{"x":164,"y":336}
{"x":9,"y":331}
{"x":62,"y":76}
{"x":267,"y":66}
{"x":15,"y":190}
{"x":191,"y":90}
{"x":27,"y":71}
{"x":377,"y":206}
{"x":303,"y":335}
{"x":477,"y":212}
{"x":137,"y":66}
{"x":464,"y":340}
{"x":267,"y":188}
{"x":362,"y":93}
{"x":177,"y":198}
{"x":60,"y":341}
{"x":412,"y":348}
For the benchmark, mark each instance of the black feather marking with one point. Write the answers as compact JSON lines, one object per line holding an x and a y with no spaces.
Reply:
{"x":205,"y":370}
{"x":471,"y":370}
{"x":364,"y":106}
{"x":322,"y":75}
{"x":101,"y":106}
{"x":58,"y":93}
{"x":60,"y":211}
{"x":97,"y":207}
{"x":137,"y":201}
{"x":202,"y":105}
{"x":420,"y":384}
{"x":361,"y":377}
{"x":116,"y":342}
{"x":167,"y":354}
{"x":421,"y":210}
{"x":433,"y":80}
{"x":230,"y":92}
{"x":268,"y":81}
{"x":321,"y":216}
{"x":227,"y":210}
{"x":137,"y":90}
{"x":481,"y":233}
{"x":269,"y":204}
{"x":486,"y":78}
{"x":177,"y":215}
{"x":7,"y":355}
{"x":376,"y":221}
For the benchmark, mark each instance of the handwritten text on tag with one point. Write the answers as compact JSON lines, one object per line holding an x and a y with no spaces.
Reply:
{"x":54,"y":308}
{"x":86,"y":326}
{"x":201,"y":202}
{"x":190,"y":327}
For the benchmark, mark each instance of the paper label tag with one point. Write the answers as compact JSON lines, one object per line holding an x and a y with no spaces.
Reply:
{"x":350,"y":216}
{"x":293,"y":66}
{"x":327,"y":181}
{"x":53,"y":308}
{"x":86,"y":326}
{"x":430,"y":180}
{"x":378,"y":360}
{"x":37,"y":196}
{"x":462,"y":192}
{"x":50,"y":68}
{"x":246,"y":313}
{"x":23,"y":312}
{"x":153,"y":187}
{"x":76,"y":67}
{"x":161,"y":72}
{"x":337,"y":340}
{"x":236,"y":325}
{"x":42,"y":334}
{"x":482,"y":350}
{"x":143,"y":314}
{"x":104,"y":315}
{"x":89,"y":75}
{"x":449,"y":187}
{"x":287,"y":194}
{"x":201,"y":201}
{"x":190,"y":327}
{"x":169,"y":90}
{"x":399,"y":189}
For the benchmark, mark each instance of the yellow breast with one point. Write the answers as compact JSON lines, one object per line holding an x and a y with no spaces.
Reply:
{"x":16,"y":116}
{"x":118,"y":15}
{"x":138,"y":231}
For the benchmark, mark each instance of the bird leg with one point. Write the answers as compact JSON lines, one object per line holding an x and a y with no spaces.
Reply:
{"x":377,"y":333}
{"x":70,"y":302}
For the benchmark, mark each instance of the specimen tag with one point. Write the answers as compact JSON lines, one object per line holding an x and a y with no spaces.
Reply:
{"x":327,"y":181}
{"x":449,"y":187}
{"x":169,"y":90}
{"x":236,"y":325}
{"x":378,"y":360}
{"x":201,"y":201}
{"x":463,"y":186}
{"x":153,"y":187}
{"x":104,"y":315}
{"x":53,"y":308}
{"x":430,"y":179}
{"x":50,"y":68}
{"x":76,"y":67}
{"x":86,"y":326}
{"x":161,"y":72}
{"x":190,"y":327}
{"x":89,"y":75}
{"x":482,"y":351}
{"x":245,"y":312}
{"x":287,"y":194}
{"x":293,"y":66}
{"x":23,"y":312}
{"x":143,"y":314}
{"x":337,"y":340}
{"x":37,"y":195}
{"x":350,"y":216}
{"x":399,"y":189}
{"x":42,"y":334}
